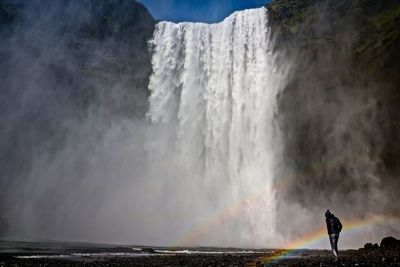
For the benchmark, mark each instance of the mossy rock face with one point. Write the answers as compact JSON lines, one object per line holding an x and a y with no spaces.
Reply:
{"x":104,"y":41}
{"x":7,"y":12}
{"x":339,"y":113}
{"x":371,"y":26}
{"x":380,"y":40}
{"x":62,"y":61}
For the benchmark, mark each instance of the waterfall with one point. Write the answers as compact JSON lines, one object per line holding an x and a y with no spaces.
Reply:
{"x":216,"y":86}
{"x":199,"y":170}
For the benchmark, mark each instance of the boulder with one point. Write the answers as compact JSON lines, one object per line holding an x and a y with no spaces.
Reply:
{"x":390,"y":243}
{"x":148,"y":250}
{"x":368,"y":246}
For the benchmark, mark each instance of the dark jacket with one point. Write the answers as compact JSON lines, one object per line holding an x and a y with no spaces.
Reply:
{"x":333,"y":224}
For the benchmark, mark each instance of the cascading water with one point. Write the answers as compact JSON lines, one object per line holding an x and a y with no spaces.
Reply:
{"x":216,"y":85}
{"x":199,"y":171}
{"x":79,"y":162}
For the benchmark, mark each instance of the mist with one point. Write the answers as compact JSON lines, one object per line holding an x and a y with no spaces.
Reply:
{"x":115,"y":129}
{"x":83,"y":162}
{"x":74,"y":78}
{"x":335,"y":125}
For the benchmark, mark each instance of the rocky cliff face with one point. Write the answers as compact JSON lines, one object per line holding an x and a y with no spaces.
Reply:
{"x":339,"y":113}
{"x":67,"y":63}
{"x":62,"y":62}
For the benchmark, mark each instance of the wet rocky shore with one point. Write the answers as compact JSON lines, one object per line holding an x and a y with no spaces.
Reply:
{"x":158,"y":260}
{"x":385,"y":254}
{"x":31,"y":254}
{"x":306,"y":258}
{"x":325,"y":258}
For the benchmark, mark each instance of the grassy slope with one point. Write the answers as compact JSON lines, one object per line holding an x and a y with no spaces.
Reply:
{"x":374,"y":24}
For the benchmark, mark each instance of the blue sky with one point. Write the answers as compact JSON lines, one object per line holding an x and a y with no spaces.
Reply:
{"x":197,"y":10}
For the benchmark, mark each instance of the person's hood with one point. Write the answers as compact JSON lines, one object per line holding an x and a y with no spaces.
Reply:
{"x":328,"y":214}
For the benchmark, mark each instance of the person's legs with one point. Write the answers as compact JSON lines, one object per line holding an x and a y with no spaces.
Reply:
{"x":334,"y":240}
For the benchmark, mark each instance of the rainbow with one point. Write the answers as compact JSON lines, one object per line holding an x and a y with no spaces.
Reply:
{"x":294,"y":247}
{"x":218,"y":218}
{"x":229,"y":211}
{"x":198,"y":231}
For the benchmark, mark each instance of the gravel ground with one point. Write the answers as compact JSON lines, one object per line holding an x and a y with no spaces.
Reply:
{"x":305,"y":258}
{"x":158,"y":260}
{"x":60,"y":254}
{"x":362,"y":257}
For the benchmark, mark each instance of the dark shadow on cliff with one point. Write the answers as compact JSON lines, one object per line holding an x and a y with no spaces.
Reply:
{"x":339,"y":114}
{"x":65,"y":64}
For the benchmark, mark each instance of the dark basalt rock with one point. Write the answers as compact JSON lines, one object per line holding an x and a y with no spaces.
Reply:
{"x":390,"y":243}
{"x":339,"y":112}
{"x":368,"y":246}
{"x":61,"y":60}
{"x":148,"y":250}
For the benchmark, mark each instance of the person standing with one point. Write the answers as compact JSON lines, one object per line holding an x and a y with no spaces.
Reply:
{"x":334,"y":227}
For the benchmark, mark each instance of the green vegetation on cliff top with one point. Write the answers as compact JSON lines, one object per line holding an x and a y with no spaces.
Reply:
{"x":371,"y":26}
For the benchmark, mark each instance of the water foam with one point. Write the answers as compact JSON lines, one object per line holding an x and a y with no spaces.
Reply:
{"x":217,"y":85}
